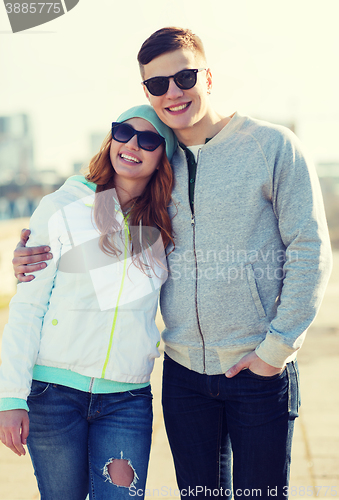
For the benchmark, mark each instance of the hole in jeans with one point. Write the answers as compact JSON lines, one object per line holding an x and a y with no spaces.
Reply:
{"x":120,"y":472}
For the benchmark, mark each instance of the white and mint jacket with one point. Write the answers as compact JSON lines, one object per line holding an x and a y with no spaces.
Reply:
{"x":86,"y":316}
{"x":250,"y":268}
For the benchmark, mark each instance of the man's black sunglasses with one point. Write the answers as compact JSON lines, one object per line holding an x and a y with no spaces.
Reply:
{"x":185,"y":79}
{"x":147,"y":140}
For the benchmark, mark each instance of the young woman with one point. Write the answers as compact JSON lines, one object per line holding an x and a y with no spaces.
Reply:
{"x":81,"y":339}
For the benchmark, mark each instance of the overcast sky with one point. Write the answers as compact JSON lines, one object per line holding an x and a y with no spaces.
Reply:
{"x":270,"y":59}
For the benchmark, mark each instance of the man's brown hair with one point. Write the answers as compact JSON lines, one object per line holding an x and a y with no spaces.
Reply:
{"x":167,"y":40}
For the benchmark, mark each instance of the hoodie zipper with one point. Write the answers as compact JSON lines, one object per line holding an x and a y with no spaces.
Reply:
{"x":196,"y":281}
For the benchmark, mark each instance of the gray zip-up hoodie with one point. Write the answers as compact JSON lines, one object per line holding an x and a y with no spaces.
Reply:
{"x":250,"y":268}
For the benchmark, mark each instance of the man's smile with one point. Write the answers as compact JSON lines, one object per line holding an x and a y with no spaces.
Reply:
{"x":178,"y":107}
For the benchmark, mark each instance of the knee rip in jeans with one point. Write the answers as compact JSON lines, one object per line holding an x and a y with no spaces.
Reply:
{"x":120,"y":472}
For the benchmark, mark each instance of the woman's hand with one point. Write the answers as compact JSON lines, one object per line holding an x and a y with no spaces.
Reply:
{"x":28,"y":259}
{"x":14,"y":430}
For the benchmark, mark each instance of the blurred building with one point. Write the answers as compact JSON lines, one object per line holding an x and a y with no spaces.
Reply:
{"x":95,"y":141}
{"x":329,"y":180}
{"x":328,"y":169}
{"x":16,"y":149}
{"x":21,"y":185}
{"x":77,"y":166}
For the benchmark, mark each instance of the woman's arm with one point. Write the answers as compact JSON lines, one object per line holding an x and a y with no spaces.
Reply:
{"x":21,"y":336}
{"x":29,"y":259}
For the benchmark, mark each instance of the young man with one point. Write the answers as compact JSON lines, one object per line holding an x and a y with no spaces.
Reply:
{"x":247,"y":276}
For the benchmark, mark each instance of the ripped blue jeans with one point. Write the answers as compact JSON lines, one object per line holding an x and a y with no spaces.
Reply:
{"x":75,"y":435}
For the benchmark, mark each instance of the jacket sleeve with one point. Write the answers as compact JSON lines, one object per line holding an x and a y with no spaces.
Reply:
{"x":298,"y":206}
{"x":21,"y":336}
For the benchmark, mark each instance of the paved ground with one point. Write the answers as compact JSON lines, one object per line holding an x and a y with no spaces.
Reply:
{"x":315,"y":461}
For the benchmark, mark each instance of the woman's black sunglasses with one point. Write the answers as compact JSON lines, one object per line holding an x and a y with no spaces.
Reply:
{"x":185,"y":79}
{"x":147,"y":140}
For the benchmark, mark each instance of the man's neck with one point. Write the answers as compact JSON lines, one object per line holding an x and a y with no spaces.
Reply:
{"x":208,"y":127}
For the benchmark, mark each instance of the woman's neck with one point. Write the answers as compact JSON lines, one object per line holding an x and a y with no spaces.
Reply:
{"x":127,"y":191}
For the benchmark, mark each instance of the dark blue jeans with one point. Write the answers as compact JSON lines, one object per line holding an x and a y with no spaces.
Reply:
{"x":215,"y":424}
{"x":75,"y":435}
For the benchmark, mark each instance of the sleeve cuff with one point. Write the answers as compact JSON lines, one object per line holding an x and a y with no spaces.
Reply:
{"x":274,"y":352}
{"x":13,"y":404}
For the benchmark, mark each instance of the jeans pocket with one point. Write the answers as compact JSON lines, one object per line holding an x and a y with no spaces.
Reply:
{"x":264,"y":377}
{"x":143,"y":392}
{"x":38,"y":388}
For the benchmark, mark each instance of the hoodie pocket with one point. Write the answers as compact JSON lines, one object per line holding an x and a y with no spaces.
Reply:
{"x":254,"y":290}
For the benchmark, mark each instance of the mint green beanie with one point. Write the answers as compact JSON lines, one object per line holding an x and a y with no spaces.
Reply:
{"x":147,"y":113}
